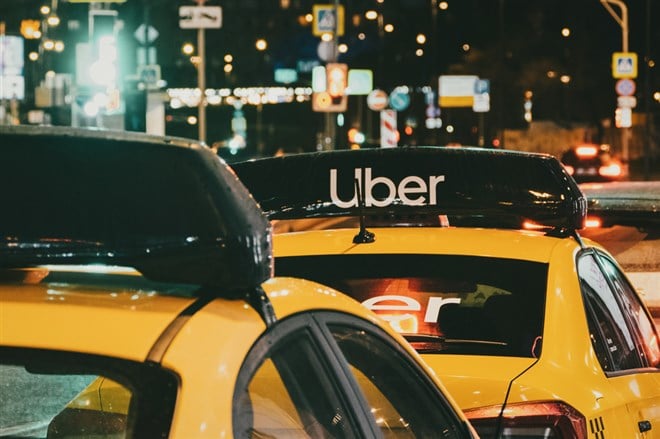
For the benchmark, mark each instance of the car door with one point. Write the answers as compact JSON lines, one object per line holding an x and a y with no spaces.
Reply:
{"x":625,"y":341}
{"x":643,"y":388}
{"x":329,"y":375}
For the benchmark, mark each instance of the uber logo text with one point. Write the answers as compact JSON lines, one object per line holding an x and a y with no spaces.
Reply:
{"x":407,"y":187}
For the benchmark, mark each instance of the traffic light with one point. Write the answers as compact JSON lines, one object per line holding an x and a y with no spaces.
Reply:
{"x":333,"y":98}
{"x":337,"y":77}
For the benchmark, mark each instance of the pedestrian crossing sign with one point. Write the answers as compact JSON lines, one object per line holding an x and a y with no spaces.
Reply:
{"x":328,"y":19}
{"x":624,"y":65}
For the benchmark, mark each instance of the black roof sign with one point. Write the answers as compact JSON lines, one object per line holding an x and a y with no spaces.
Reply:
{"x":470,"y":182}
{"x":167,"y":206}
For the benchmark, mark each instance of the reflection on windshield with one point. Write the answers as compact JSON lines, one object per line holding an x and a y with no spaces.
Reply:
{"x":444,"y":304}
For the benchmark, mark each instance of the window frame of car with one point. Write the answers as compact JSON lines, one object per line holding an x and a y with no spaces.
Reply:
{"x":153,"y":389}
{"x":619,"y":289}
{"x":335,"y":370}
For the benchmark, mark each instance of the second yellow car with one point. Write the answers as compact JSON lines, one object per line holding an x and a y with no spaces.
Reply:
{"x":476,"y":257}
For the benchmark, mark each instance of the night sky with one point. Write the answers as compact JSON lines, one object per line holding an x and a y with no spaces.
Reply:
{"x":514,"y":43}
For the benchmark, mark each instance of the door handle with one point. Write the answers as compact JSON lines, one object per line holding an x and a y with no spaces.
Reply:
{"x":644,"y":426}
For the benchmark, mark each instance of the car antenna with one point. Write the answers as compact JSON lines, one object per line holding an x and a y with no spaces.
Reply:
{"x":364,"y":236}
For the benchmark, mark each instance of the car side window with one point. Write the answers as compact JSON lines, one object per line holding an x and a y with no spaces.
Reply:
{"x":613,"y":341}
{"x":287,"y":391}
{"x":401,"y":400}
{"x":46,"y":394}
{"x":639,"y":318}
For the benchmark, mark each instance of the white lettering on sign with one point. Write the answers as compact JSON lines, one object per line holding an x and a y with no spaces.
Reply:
{"x":406,"y":190}
{"x":406,"y":303}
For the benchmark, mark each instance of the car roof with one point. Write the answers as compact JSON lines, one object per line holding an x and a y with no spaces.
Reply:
{"x":473,"y":185}
{"x":514,"y":244}
{"x":122,"y":320}
{"x":114,"y":321}
{"x":166,"y":206}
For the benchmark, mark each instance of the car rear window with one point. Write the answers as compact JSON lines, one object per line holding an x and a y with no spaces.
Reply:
{"x":441,"y":303}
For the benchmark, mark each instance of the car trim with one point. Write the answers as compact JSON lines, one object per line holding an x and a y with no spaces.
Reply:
{"x":163,"y":342}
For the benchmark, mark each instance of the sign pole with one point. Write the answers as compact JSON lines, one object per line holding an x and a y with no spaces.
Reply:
{"x":201,"y":81}
{"x":3,"y":104}
{"x":622,"y":21}
{"x":331,"y":125}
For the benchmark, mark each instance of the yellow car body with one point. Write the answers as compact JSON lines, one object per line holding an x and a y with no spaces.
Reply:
{"x":137,"y":300}
{"x":567,"y":369}
{"x":206,"y":356}
{"x":476,"y":257}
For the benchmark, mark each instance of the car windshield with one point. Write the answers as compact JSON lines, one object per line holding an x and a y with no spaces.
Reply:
{"x":442,"y":303}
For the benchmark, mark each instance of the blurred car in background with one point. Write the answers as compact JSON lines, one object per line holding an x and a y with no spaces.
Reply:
{"x":137,"y":301}
{"x":475,"y":256}
{"x":593,"y":162}
{"x":625,"y":218}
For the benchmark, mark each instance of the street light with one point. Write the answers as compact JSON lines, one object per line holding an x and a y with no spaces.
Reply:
{"x":622,"y":20}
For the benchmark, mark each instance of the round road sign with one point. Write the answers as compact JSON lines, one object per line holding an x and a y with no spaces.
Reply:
{"x":377,"y":100}
{"x":625,"y":87}
{"x":399,"y":99}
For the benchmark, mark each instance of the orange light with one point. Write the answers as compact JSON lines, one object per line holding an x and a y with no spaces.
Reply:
{"x":586,"y":151}
{"x":569,"y":169}
{"x":337,"y":75}
{"x":352,"y":134}
{"x":592,"y":222}
{"x":408,"y":130}
{"x":321,"y":100}
{"x":531,"y":225}
{"x":30,"y":29}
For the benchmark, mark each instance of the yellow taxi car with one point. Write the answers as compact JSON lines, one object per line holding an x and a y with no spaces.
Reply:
{"x":137,"y":301}
{"x":475,"y":256}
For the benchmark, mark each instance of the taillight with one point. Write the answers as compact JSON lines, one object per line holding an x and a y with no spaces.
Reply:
{"x":586,"y":151}
{"x":612,"y":170}
{"x":532,"y":420}
{"x":593,"y":222}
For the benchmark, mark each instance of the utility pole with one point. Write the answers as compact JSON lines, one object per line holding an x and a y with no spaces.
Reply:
{"x":3,"y":107}
{"x":331,"y":118}
{"x":201,"y":80}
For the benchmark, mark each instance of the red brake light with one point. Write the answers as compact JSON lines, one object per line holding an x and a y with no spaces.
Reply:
{"x":593,"y":222}
{"x":586,"y":151}
{"x":548,"y":419}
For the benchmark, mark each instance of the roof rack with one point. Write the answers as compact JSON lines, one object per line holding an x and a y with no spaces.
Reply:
{"x":479,"y":186}
{"x":166,"y":206}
